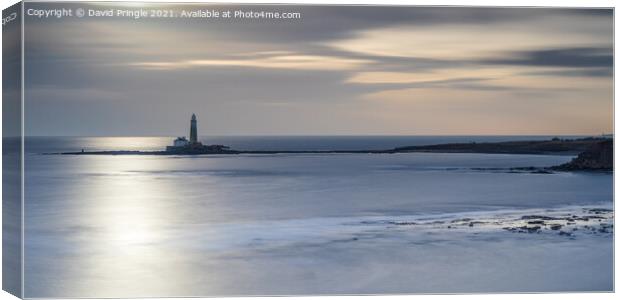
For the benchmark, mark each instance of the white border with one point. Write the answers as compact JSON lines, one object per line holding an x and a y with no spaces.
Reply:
{"x":22,"y":150}
{"x":513,"y":3}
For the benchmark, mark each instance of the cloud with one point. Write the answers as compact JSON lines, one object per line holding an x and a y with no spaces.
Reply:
{"x":572,"y":72}
{"x":286,"y":61}
{"x":585,"y":57}
{"x":488,"y":38}
{"x":429,"y":75}
{"x":73,"y":94}
{"x":359,"y":69}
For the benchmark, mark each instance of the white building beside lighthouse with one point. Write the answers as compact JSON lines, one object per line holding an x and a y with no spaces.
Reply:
{"x":182,"y":142}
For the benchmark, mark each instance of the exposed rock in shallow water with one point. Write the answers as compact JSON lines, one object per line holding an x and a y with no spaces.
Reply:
{"x":540,"y":222}
{"x":517,"y":170}
{"x":403,"y":223}
{"x":599,"y":210}
{"x":572,"y":223}
{"x":538,"y":217}
{"x":533,"y":229}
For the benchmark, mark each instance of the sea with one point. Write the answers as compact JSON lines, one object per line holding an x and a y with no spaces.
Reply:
{"x":307,"y":224}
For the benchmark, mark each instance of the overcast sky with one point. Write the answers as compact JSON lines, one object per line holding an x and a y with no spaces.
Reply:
{"x":337,"y":70}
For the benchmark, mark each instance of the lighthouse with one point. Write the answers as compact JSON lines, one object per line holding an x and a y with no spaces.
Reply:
{"x":181,"y":146}
{"x":193,"y":131}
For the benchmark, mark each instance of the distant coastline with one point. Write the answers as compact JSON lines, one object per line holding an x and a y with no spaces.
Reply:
{"x":592,"y":146}
{"x":554,"y":146}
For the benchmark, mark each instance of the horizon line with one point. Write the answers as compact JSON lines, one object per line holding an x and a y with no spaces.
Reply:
{"x":327,"y":135}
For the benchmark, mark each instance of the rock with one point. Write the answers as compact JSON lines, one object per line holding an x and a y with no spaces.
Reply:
{"x":532,"y":217}
{"x":461,"y":220}
{"x":402,"y":223}
{"x":536,"y":222}
{"x":533,"y":229}
{"x":471,"y":224}
{"x":542,"y":171}
{"x":600,"y":210}
{"x":598,"y":157}
{"x":556,"y":227}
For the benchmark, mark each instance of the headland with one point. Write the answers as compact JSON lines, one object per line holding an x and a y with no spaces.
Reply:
{"x":593,"y":153}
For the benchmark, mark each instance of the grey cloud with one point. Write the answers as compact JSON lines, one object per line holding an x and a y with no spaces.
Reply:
{"x":92,"y":82}
{"x":466,"y":83}
{"x":584,"y":72}
{"x":586,"y":57}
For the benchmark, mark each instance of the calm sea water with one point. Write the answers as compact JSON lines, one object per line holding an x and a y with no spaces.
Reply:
{"x":110,"y":226}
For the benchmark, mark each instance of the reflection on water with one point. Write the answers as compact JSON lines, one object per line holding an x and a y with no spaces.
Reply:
{"x":127,"y":208}
{"x":122,"y":226}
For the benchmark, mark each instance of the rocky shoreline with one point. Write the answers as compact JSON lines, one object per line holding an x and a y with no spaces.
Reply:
{"x":570,"y":223}
{"x":598,"y":157}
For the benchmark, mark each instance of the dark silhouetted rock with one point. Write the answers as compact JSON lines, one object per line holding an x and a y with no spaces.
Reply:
{"x":556,"y":227}
{"x":598,"y":157}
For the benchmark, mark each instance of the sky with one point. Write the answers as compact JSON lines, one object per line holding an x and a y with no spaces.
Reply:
{"x":338,"y":70}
